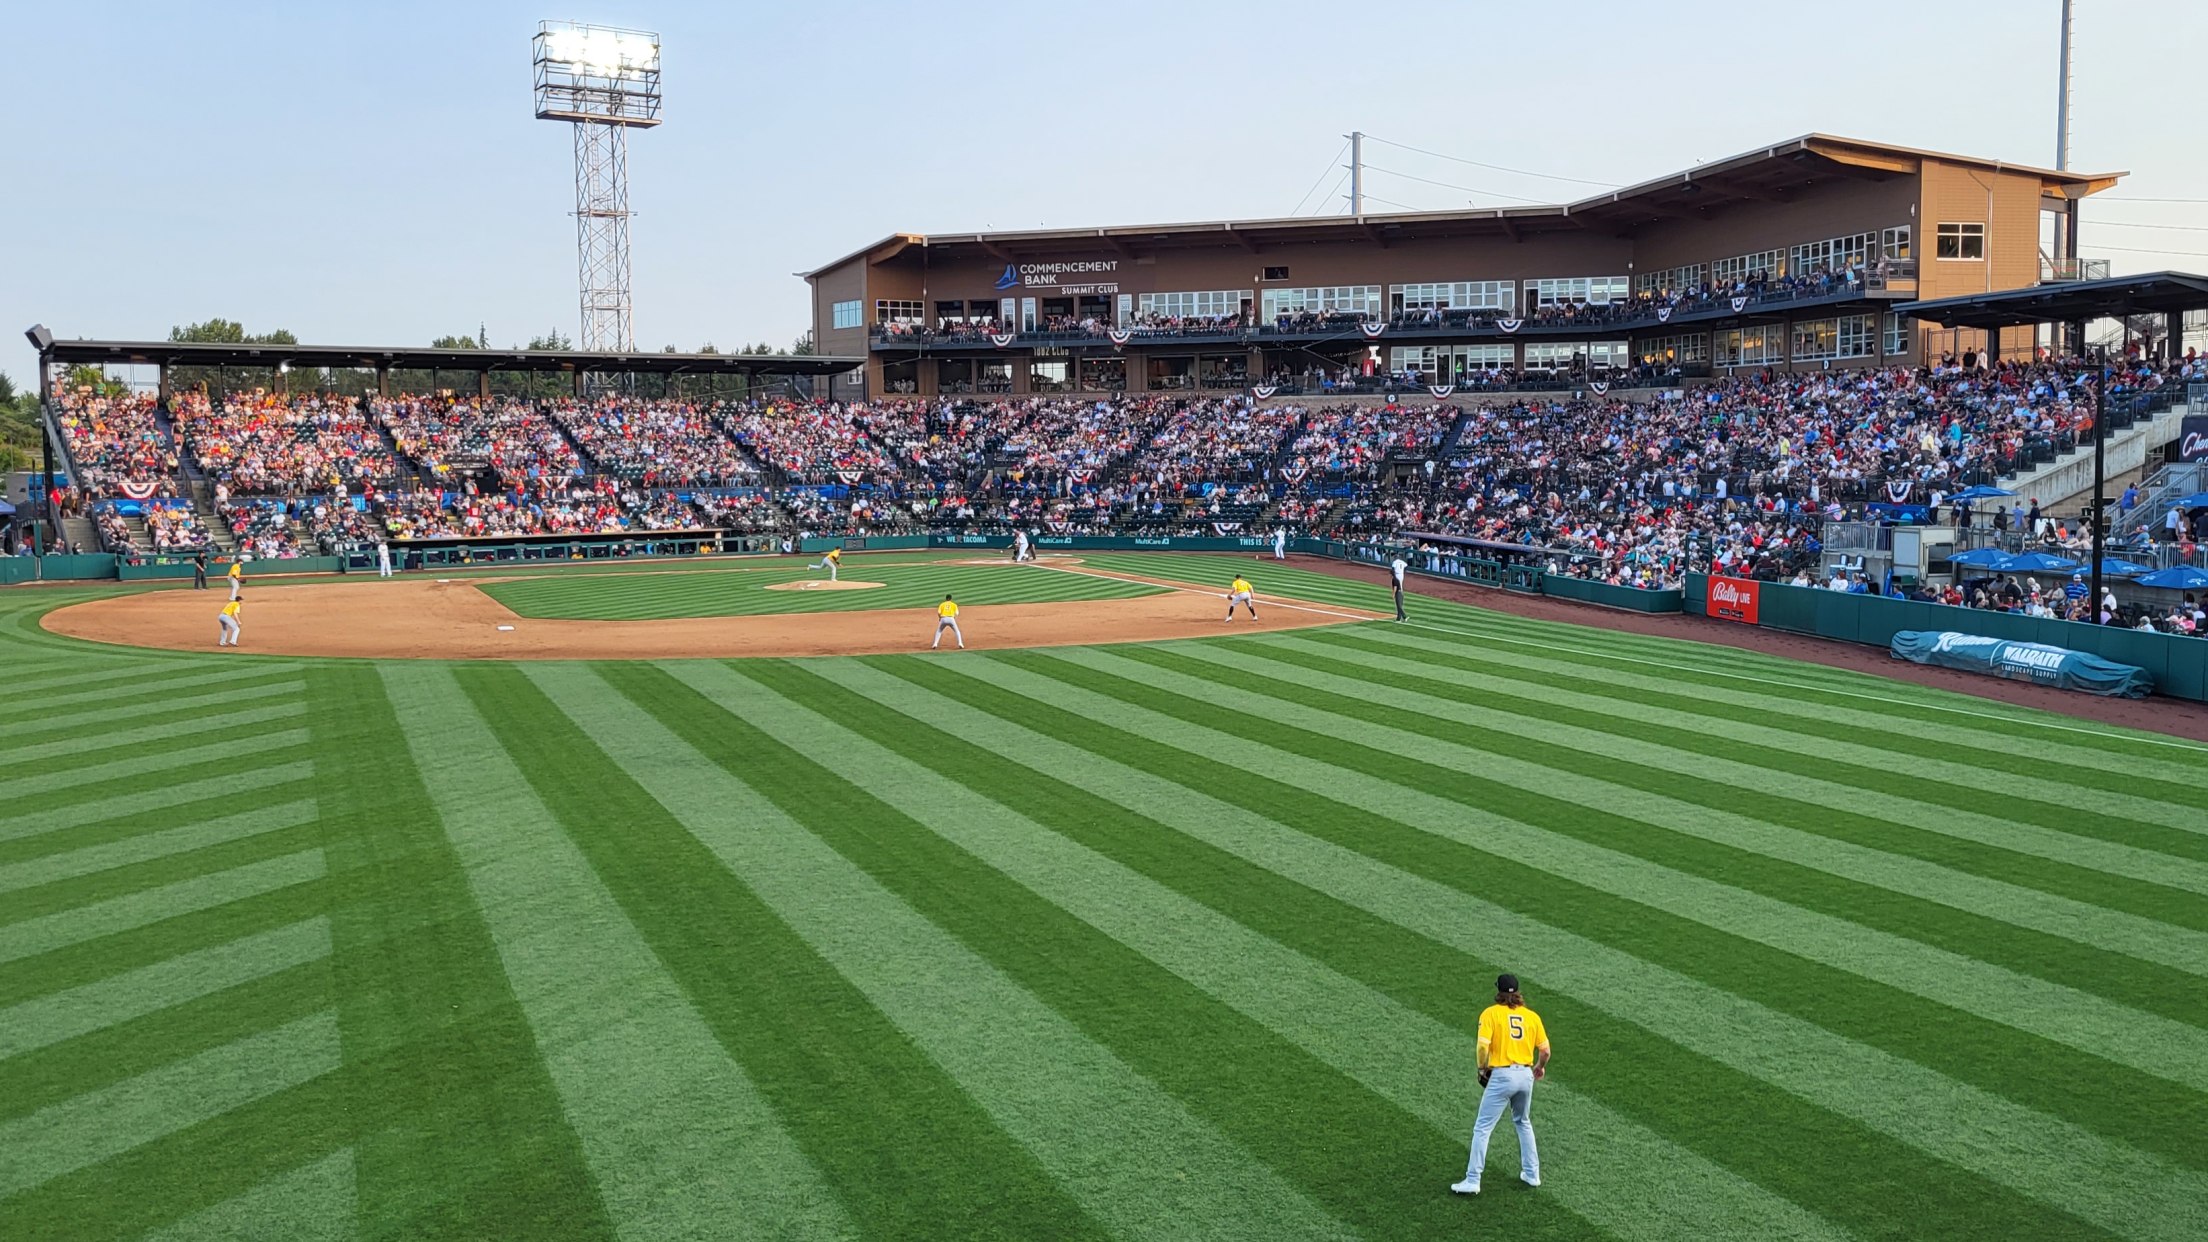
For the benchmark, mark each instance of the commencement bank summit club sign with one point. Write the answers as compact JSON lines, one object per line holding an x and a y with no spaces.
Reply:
{"x":1066,"y":277}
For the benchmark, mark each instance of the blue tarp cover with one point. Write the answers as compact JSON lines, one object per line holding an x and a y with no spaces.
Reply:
{"x":2037,"y":663}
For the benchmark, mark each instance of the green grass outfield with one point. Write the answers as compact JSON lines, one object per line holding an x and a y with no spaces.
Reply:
{"x":1155,"y":941}
{"x":739,"y":589}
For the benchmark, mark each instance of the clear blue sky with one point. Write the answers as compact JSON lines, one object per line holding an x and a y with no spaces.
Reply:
{"x":372,"y":174}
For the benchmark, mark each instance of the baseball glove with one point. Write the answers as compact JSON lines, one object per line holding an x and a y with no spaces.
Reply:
{"x":1484,"y":1074}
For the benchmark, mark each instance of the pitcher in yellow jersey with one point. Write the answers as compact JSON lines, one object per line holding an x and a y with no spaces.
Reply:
{"x":830,"y":562}
{"x":946,"y":614}
{"x":1239,"y":593}
{"x":1514,"y":1054}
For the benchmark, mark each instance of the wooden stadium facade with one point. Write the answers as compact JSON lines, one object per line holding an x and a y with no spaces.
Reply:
{"x":1580,"y":287}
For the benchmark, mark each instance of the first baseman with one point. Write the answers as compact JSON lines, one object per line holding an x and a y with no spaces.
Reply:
{"x":1513,"y":1055}
{"x":946,"y":615}
{"x":1239,"y":593}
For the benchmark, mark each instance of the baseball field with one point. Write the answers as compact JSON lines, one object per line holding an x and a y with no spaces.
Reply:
{"x":1183,"y":937}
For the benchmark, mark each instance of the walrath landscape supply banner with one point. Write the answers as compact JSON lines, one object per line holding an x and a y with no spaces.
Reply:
{"x":2034,"y":662}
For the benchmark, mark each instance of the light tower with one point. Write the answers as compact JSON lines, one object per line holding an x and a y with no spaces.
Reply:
{"x":606,"y":82}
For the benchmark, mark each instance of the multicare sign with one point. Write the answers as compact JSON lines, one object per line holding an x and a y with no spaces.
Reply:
{"x":1734,"y":599}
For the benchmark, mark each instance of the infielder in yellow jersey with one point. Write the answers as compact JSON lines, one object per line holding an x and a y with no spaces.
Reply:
{"x":1239,"y":593}
{"x":237,"y":579}
{"x":1514,"y":1054}
{"x":229,"y":619}
{"x":946,"y":615}
{"x":830,"y":562}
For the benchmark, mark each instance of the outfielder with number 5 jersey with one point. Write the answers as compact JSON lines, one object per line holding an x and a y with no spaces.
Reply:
{"x":1513,"y":1055}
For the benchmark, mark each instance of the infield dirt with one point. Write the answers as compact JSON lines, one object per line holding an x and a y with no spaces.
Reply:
{"x":424,"y":619}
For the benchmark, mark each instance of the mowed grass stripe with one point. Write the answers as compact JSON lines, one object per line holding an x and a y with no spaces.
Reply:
{"x":481,"y":1148}
{"x":207,"y":805}
{"x":706,"y":594}
{"x":1061,"y":842}
{"x":92,"y":1127}
{"x":1468,"y":849}
{"x":192,"y":726}
{"x":49,"y":932}
{"x":312,"y":1203}
{"x":900,"y":1142}
{"x":91,"y":960}
{"x":118,"y":998}
{"x":1600,"y":760}
{"x":2170,"y":823}
{"x":68,"y":864}
{"x":81,"y":892}
{"x":84,"y":731}
{"x":1998,"y":772}
{"x":37,"y":680}
{"x":1604,"y":996}
{"x":225,"y":747}
{"x":191,"y":688}
{"x":90,"y":811}
{"x":2113,"y":857}
{"x":1727,"y":670}
{"x":680,"y":1143}
{"x":207,"y":767}
{"x":1063,"y":1097}
{"x":1617,"y":852}
{"x":148,"y":1040}
{"x":1226,"y":1071}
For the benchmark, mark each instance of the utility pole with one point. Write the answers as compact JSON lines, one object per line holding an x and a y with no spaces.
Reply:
{"x":1356,"y":172}
{"x":2100,"y":476}
{"x":2062,"y":98}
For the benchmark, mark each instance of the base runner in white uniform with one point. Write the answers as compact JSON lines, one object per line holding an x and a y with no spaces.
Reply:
{"x":946,"y":617}
{"x":1020,"y":550}
{"x":1280,"y":543}
{"x":383,"y":560}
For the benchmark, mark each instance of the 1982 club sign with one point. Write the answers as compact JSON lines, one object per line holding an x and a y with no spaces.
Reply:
{"x":1734,"y":599}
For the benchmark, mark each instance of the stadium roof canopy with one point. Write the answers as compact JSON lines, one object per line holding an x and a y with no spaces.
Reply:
{"x":2164,"y":293}
{"x":391,"y":358}
{"x":1777,"y":173}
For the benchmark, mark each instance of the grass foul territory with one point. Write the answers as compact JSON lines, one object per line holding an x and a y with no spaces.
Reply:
{"x":1145,"y":940}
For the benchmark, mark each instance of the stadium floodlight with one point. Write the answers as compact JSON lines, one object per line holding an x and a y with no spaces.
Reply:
{"x":605,"y":81}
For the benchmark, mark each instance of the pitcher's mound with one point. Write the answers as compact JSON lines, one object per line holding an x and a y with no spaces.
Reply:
{"x":823,"y":584}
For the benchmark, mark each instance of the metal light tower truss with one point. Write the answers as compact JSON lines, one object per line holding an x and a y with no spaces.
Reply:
{"x":604,"y":81}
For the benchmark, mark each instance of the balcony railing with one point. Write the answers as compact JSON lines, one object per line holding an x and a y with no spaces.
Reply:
{"x":2062,"y":271}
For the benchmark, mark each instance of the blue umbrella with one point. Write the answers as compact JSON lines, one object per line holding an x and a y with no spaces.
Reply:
{"x":1981,"y":491}
{"x":2040,"y":563}
{"x":2180,"y":578}
{"x":2113,"y":568}
{"x":1983,"y":558}
{"x":2198,"y":500}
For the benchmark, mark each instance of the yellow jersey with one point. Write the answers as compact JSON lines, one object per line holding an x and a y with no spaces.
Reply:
{"x":1241,"y":586}
{"x":836,"y":554}
{"x":1509,"y":1036}
{"x":231,"y":609}
{"x":946,"y":609}
{"x":237,"y":570}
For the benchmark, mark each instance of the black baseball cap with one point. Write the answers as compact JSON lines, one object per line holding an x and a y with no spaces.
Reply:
{"x":1506,"y":983}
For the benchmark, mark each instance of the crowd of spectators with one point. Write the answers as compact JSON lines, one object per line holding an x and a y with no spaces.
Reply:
{"x":813,"y":442}
{"x":656,"y":443}
{"x":273,"y":443}
{"x":443,"y":433}
{"x":117,"y":443}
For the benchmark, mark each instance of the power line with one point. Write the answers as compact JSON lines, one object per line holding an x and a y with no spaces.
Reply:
{"x":1520,"y":172}
{"x":1468,"y":189}
{"x":2196,"y":254}
{"x":1391,"y":202}
{"x":2124,"y":198}
{"x":1330,"y":166}
{"x":1339,"y":182}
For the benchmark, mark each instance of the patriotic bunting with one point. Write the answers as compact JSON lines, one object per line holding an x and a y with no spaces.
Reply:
{"x":1600,"y":386}
{"x":1264,"y":391}
{"x":1372,"y":331}
{"x":1740,"y":303}
{"x":1663,"y":314}
{"x":1441,"y":391}
{"x":1120,"y":336}
{"x":1509,"y":325}
{"x":1000,"y":339}
{"x":137,"y":490}
{"x":1897,"y":491}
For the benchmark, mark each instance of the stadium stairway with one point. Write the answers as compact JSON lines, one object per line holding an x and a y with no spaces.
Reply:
{"x":2066,"y":483}
{"x":203,"y":507}
{"x":186,"y":465}
{"x":81,"y":533}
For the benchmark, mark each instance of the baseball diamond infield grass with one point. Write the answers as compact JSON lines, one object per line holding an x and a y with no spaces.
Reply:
{"x":1178,"y":940}
{"x":742,"y":589}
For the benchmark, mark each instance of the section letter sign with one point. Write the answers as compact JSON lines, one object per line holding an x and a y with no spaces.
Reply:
{"x":1734,"y":599}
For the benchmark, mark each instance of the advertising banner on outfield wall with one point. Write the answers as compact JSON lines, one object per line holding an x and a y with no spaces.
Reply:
{"x":1734,"y":599}
{"x":2192,"y":438}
